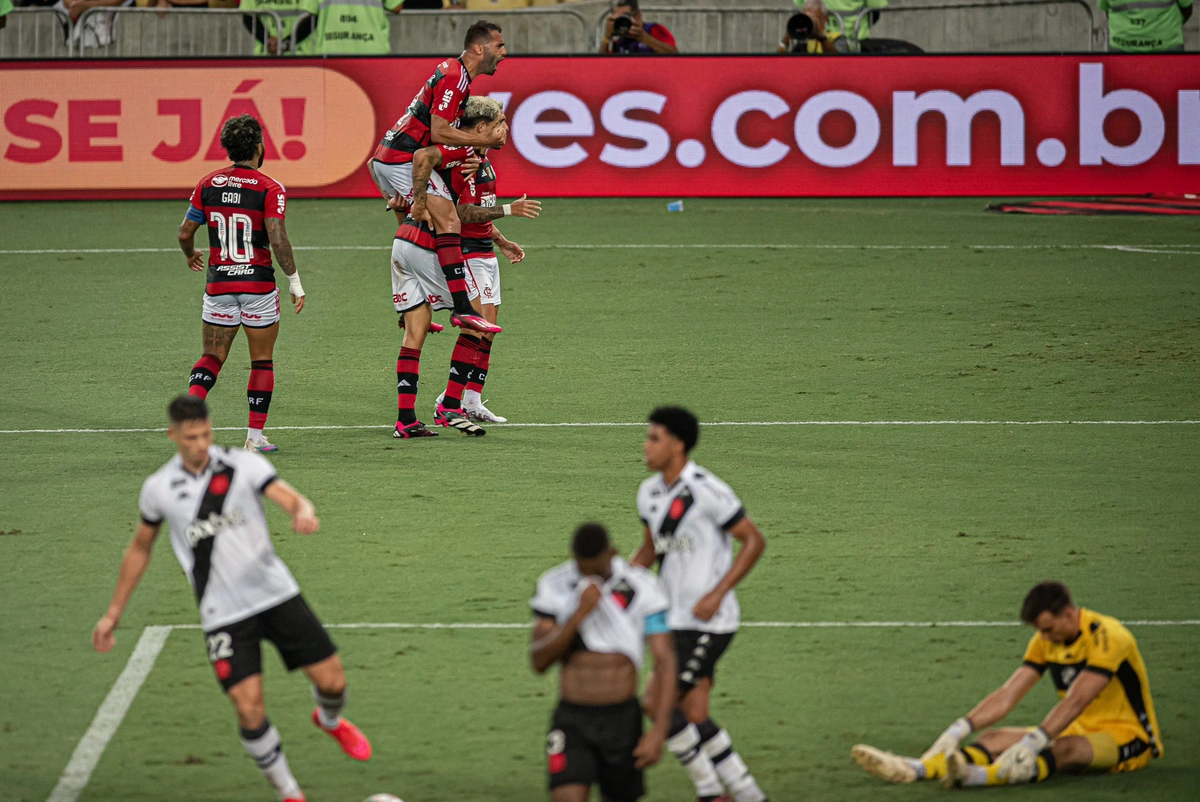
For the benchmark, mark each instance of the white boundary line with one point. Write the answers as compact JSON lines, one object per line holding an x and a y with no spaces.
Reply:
{"x":616,"y":424}
{"x":112,"y":712}
{"x":87,"y":754}
{"x":1168,"y":248}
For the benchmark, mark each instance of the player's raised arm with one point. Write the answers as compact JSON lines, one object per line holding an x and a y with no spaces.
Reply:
{"x":304,"y":515}
{"x":443,"y":132}
{"x":550,"y":641}
{"x":522,"y":207}
{"x":133,"y":566}
{"x":425,"y":161}
{"x":282,"y":246}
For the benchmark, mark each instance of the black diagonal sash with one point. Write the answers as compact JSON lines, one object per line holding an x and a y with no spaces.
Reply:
{"x":211,"y":506}
{"x":679,"y":508}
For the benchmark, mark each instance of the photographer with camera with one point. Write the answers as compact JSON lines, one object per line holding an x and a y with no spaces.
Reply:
{"x":807,"y":32}
{"x":625,"y":32}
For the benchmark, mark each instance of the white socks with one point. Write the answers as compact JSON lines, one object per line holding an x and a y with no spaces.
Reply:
{"x":685,"y":746}
{"x":264,"y":746}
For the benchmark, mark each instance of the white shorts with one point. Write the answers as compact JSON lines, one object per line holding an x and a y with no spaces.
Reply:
{"x":397,"y":178}
{"x":485,"y":272}
{"x":417,"y":279}
{"x":254,"y":311}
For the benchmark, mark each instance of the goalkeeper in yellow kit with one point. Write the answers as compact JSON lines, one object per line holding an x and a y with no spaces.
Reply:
{"x":1104,"y":720}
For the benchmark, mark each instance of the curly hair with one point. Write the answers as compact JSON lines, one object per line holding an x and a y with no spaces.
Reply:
{"x":240,"y":137}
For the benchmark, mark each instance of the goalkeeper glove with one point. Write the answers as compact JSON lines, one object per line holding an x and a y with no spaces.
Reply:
{"x":1018,"y":763}
{"x":947,"y":743}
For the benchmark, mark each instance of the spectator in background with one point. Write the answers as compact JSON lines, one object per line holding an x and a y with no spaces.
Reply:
{"x":1146,"y":27}
{"x":626,"y":32}
{"x":807,"y":32}
{"x":430,"y":5}
{"x":5,"y":7}
{"x":356,"y":27}
{"x":849,"y":10}
{"x":275,"y":43}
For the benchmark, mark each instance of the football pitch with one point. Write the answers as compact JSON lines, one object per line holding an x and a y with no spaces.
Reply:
{"x":928,"y":409}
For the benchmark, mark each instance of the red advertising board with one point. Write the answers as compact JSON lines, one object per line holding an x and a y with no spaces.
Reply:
{"x":613,"y":126}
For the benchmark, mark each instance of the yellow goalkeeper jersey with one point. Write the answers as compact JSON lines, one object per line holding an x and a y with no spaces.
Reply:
{"x":1106,"y":647}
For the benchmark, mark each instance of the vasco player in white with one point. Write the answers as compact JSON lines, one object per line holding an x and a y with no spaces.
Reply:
{"x":596,"y":614}
{"x":243,"y":210}
{"x":212,"y":500}
{"x":691,"y":519}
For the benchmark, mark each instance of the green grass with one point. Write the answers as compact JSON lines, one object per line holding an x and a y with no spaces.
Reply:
{"x":863,"y":522}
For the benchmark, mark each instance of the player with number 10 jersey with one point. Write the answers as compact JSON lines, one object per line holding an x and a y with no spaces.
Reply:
{"x":243,"y":210}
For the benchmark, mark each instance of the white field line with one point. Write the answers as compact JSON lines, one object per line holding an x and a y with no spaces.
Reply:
{"x":747,"y":624}
{"x":87,"y":754}
{"x":616,"y":424}
{"x":1169,"y":248}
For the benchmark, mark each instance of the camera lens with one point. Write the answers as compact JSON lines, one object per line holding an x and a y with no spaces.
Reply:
{"x":622,"y":25}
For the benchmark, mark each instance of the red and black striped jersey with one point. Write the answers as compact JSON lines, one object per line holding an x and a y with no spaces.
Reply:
{"x":480,"y":190}
{"x":419,"y":234}
{"x":444,"y":94}
{"x":234,"y":203}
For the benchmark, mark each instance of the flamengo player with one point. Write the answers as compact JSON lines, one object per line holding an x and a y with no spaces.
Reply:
{"x":432,"y":119}
{"x":244,"y":210}
{"x":480,"y":243}
{"x":691,"y":518}
{"x":212,"y":499}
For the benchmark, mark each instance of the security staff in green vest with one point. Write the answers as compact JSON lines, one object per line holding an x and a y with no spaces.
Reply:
{"x":279,"y":42}
{"x":849,"y":10}
{"x":355,"y":27}
{"x":1146,"y":26}
{"x":5,"y":7}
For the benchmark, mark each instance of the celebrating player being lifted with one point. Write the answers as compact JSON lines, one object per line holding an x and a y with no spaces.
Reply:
{"x":596,"y":614}
{"x":432,"y":119}
{"x":1104,"y":720}
{"x":481,"y":239}
{"x":419,"y":287}
{"x":691,"y":519}
{"x":244,"y":211}
{"x":212,"y":500}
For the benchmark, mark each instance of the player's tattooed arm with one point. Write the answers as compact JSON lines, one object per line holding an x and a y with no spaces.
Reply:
{"x":521,"y":207}
{"x":425,"y":161}
{"x":277,"y":233}
{"x":187,"y":243}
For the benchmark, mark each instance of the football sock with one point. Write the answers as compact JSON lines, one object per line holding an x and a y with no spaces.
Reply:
{"x":483,"y":360}
{"x":264,"y":746}
{"x":258,"y":392}
{"x":329,"y":708}
{"x":462,"y":364}
{"x":204,"y":376}
{"x":684,"y":743}
{"x":987,"y":775}
{"x":408,"y":374}
{"x":450,"y":257}
{"x":731,"y":769}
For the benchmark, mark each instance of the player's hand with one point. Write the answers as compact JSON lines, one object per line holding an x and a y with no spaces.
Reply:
{"x":195,"y":262}
{"x":306,"y":521}
{"x":948,"y":741}
{"x":512,"y":251}
{"x":588,"y":600}
{"x":102,"y":635}
{"x":649,"y":750}
{"x":496,"y":138}
{"x":397,"y":203}
{"x":522,"y":207}
{"x":470,"y":167}
{"x":1018,"y":763}
{"x":298,"y":302}
{"x":707,"y":607}
{"x":417,"y":210}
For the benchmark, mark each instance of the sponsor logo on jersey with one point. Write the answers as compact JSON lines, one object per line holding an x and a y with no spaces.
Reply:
{"x":219,"y":180}
{"x":679,"y":545}
{"x":214,"y":524}
{"x":235,"y":270}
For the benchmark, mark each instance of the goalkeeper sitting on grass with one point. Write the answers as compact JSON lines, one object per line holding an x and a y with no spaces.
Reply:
{"x":1104,"y":720}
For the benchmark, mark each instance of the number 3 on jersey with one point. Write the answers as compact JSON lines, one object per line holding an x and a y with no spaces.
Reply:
{"x":234,"y":233}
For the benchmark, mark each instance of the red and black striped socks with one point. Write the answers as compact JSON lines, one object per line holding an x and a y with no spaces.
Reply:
{"x":258,"y":392}
{"x":408,"y":374}
{"x":462,"y":365}
{"x":450,"y":257}
{"x":204,"y":376}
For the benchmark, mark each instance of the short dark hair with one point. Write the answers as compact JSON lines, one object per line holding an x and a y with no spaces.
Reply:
{"x":632,"y":4}
{"x":679,"y":422}
{"x":591,"y":540}
{"x":240,"y":137}
{"x":187,"y":408}
{"x":480,"y":31}
{"x":1045,"y":596}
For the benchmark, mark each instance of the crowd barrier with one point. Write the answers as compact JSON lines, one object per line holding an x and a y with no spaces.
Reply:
{"x":688,"y":126}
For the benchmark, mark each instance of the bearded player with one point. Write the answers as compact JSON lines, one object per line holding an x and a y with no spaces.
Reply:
{"x":480,"y":243}
{"x":691,"y":519}
{"x":433,"y":119}
{"x":211,"y":498}
{"x":244,"y":210}
{"x":1104,"y":720}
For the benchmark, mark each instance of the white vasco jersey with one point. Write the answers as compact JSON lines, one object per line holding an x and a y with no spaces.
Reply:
{"x":220,"y":535}
{"x":618,"y":624}
{"x":690,"y":523}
